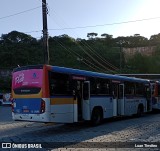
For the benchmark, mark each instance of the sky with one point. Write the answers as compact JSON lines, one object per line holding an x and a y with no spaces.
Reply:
{"x":76,"y":18}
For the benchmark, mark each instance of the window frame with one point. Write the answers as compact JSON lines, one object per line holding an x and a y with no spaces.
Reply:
{"x":59,"y":88}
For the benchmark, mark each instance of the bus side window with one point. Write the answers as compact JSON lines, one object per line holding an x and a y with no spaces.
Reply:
{"x":158,"y":90}
{"x":93,"y":86}
{"x":59,"y":84}
{"x":115,"y":91}
{"x":120,"y":92}
{"x":52,"y":87}
{"x":139,"y":89}
{"x":1,"y":96}
{"x":103,"y":87}
{"x":129,"y":88}
{"x":86,"y":91}
{"x":147,"y":92}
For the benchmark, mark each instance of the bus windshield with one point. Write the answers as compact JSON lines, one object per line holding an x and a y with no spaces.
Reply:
{"x":27,"y":81}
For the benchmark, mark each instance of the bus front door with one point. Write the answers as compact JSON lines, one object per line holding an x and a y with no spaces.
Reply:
{"x":77,"y":93}
{"x":115,"y":98}
{"x":81,"y":101}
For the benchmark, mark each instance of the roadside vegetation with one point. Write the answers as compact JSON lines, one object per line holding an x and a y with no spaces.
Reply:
{"x":100,"y":54}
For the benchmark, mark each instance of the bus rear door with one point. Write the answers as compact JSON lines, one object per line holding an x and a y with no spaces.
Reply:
{"x":121,"y":100}
{"x":86,"y":101}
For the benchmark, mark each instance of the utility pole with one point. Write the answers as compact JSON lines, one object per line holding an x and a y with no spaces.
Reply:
{"x":45,"y":32}
{"x":120,"y":59}
{"x":121,"y":42}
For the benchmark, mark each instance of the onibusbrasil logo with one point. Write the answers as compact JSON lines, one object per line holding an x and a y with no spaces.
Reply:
{"x":20,"y":145}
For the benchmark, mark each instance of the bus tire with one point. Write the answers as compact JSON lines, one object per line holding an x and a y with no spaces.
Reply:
{"x":97,"y":116}
{"x":140,"y":110}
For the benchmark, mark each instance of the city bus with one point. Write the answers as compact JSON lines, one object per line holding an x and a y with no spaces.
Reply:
{"x":156,"y":96}
{"x":45,"y":93}
{"x":5,"y":99}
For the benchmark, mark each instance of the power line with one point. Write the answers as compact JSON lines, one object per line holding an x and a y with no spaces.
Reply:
{"x":20,"y":12}
{"x":85,"y":61}
{"x":90,"y":56}
{"x":99,"y":56}
{"x":108,"y":24}
{"x":95,"y":60}
{"x":36,"y":31}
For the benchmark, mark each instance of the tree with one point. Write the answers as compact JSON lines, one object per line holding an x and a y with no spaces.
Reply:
{"x":19,"y":48}
{"x":144,"y":64}
{"x":108,"y":39}
{"x":155,"y":39}
{"x":107,"y":36}
{"x":92,"y":35}
{"x":17,"y":37}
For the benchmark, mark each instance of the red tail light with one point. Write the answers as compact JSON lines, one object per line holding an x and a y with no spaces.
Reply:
{"x":43,"y":106}
{"x":12,"y":105}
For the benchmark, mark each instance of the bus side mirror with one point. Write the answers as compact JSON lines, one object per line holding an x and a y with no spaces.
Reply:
{"x":86,"y":91}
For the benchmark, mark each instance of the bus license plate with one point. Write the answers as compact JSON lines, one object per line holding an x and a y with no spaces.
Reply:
{"x":25,"y":111}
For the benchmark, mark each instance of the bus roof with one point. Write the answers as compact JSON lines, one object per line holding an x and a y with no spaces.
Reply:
{"x":28,"y":67}
{"x":83,"y":73}
{"x":96,"y":74}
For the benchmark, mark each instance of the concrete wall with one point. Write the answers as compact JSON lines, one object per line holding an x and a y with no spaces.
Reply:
{"x":130,"y":52}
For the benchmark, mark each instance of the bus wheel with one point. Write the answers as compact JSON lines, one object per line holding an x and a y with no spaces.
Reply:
{"x":140,"y":111}
{"x":97,"y":116}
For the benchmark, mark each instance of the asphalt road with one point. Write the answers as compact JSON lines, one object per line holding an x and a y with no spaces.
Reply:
{"x":114,"y":134}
